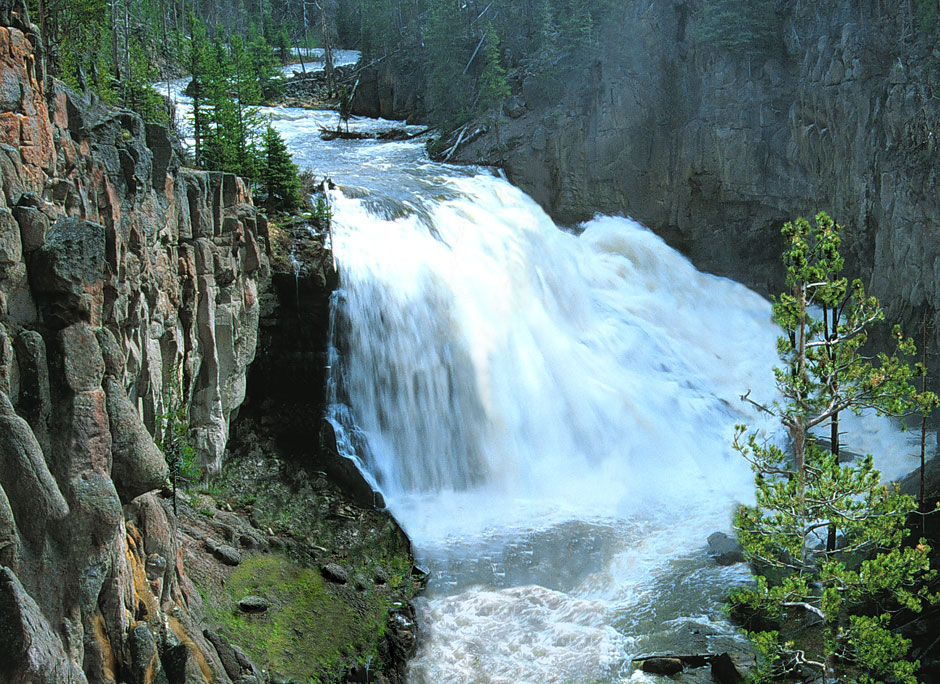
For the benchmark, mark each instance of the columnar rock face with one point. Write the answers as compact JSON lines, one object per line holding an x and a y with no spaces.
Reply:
{"x":127,"y":285}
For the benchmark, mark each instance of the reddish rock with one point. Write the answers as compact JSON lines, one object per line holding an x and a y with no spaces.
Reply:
{"x":106,"y":309}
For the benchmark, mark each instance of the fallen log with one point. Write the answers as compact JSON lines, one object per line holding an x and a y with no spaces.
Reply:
{"x":391,"y":134}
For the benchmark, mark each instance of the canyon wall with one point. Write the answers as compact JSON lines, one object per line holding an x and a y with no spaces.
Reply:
{"x":128,"y":287}
{"x":715,"y":151}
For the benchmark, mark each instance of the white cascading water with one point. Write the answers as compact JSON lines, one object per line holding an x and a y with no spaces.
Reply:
{"x":548,"y":415}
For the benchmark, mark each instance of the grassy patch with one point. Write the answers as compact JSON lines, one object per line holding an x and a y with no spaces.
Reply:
{"x":309,"y":633}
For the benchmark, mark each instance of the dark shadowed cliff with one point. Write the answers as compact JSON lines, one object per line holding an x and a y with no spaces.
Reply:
{"x":715,"y":151}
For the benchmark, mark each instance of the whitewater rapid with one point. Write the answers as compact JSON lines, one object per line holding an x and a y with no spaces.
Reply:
{"x":549,"y":415}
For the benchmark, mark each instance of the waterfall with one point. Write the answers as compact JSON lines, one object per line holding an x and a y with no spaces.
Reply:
{"x":549,"y":415}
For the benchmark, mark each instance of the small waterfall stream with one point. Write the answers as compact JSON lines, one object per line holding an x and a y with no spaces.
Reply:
{"x":547,"y":412}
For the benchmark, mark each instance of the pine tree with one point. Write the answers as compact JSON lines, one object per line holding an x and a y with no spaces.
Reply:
{"x":739,"y":27}
{"x":826,"y":538}
{"x":197,"y":62}
{"x":139,"y":93}
{"x":222,"y":136}
{"x":279,"y":176}
{"x":494,"y":89}
{"x":269,"y":76}
{"x":450,"y":89}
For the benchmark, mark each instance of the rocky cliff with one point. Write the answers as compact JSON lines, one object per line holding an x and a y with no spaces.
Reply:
{"x":128,"y":285}
{"x":715,"y":151}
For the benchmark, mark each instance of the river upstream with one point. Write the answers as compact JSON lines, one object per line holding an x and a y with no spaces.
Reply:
{"x":548,"y":413}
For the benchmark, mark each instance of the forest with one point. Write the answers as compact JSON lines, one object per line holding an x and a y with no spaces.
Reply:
{"x":119,"y":48}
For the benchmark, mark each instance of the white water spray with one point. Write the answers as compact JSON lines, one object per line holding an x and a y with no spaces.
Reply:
{"x":549,"y":416}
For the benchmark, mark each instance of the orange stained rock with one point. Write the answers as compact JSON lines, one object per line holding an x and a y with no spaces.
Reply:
{"x":196,"y":652}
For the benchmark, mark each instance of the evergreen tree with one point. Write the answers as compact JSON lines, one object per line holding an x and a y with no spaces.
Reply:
{"x":280,"y":180}
{"x":345,"y":106}
{"x":222,"y":137}
{"x":739,"y":27}
{"x":139,"y":93}
{"x":826,"y":538}
{"x":448,"y":50}
{"x":269,"y":76}
{"x":576,"y":25}
{"x":198,"y":63}
{"x":494,"y":90}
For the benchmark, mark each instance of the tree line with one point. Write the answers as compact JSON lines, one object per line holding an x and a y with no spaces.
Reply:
{"x":118,"y":50}
{"x":466,"y":48}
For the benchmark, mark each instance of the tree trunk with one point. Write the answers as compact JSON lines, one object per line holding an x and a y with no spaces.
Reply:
{"x":834,"y":439}
{"x":923,"y":420}
{"x":306,"y":36}
{"x":798,"y":427}
{"x":830,"y":330}
{"x":327,"y":52}
{"x":115,"y":41}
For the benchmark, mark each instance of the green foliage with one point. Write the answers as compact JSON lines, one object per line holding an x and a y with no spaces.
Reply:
{"x":345,"y":106}
{"x":290,"y":639}
{"x":171,"y":435}
{"x":494,"y":90}
{"x":322,"y":213}
{"x":467,"y":73}
{"x":828,"y":539}
{"x":78,"y":39}
{"x":197,"y":62}
{"x":447,"y":49}
{"x":280,"y":180}
{"x":741,"y":28}
{"x":231,"y":127}
{"x":265,"y":65}
{"x":927,"y":14}
{"x":139,"y":94}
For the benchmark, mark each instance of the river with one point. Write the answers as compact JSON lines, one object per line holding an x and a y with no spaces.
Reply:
{"x":547,"y":411}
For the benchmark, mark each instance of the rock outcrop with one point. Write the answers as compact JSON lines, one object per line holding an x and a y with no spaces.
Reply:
{"x":391,"y":88}
{"x":128,"y":286}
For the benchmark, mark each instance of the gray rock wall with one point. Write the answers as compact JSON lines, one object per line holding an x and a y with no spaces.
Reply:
{"x":127,"y":285}
{"x":715,"y":152}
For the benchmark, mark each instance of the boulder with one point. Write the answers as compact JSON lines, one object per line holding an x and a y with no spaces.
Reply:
{"x":335,"y":573}
{"x":83,"y":363}
{"x":33,"y":227}
{"x":226,"y":654}
{"x":724,"y":550}
{"x":254,"y":604}
{"x":111,"y":352}
{"x":724,"y":671}
{"x":145,"y":659}
{"x":67,"y":271}
{"x":33,"y":493}
{"x":9,"y":537}
{"x":30,"y":650}
{"x":227,"y":554}
{"x":662,"y":666}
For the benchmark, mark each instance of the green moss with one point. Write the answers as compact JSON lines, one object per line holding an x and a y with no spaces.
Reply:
{"x":309,"y":633}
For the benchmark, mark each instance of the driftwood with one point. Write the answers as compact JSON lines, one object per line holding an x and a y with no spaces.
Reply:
{"x":723,"y":668}
{"x":389,"y":135}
